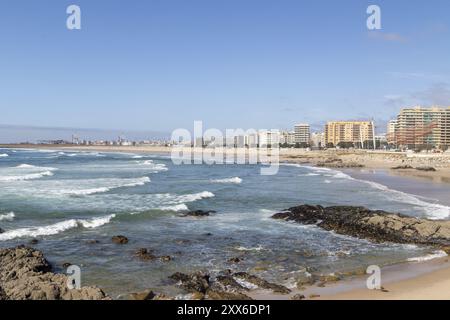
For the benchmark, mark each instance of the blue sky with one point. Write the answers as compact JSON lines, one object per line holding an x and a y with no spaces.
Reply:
{"x":160,"y":65}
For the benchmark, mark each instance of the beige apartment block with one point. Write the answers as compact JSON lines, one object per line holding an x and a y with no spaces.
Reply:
{"x":357,"y":132}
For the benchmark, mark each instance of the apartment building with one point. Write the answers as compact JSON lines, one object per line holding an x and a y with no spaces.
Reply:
{"x":302,"y":133}
{"x":360,"y":133}
{"x":420,"y":127}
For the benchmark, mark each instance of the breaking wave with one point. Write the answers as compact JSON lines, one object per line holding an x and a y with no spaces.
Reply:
{"x":431,"y":256}
{"x":4,"y":155}
{"x":235,"y":180}
{"x":55,"y":228}
{"x":7,"y":216}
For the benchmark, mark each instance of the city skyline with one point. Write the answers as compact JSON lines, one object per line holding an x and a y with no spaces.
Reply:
{"x":156,"y":66}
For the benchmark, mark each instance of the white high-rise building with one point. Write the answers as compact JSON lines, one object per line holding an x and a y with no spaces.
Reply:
{"x":302,"y":133}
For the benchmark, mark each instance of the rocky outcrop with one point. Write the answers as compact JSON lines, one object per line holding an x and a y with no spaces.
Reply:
{"x":426,"y":169}
{"x":373,"y":225}
{"x":25,"y":274}
{"x":225,"y":286}
{"x":198,"y":213}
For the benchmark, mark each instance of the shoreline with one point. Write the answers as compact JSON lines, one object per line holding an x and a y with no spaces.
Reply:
{"x":423,"y":280}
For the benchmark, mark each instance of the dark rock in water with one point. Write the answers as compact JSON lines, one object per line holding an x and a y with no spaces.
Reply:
{"x":374,"y":225}
{"x":427,"y":169}
{"x":144,"y":254}
{"x":34,"y":241}
{"x":1,"y":230}
{"x":165,"y":258}
{"x":25,"y":274}
{"x":198,"y":213}
{"x":298,"y":297}
{"x":261,"y":283}
{"x":66,"y":265}
{"x":222,"y":295}
{"x":92,"y":242}
{"x":404,"y":167}
{"x":195,"y":282}
{"x":234,"y":260}
{"x":120,"y":239}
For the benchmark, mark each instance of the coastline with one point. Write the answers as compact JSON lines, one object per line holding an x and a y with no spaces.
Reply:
{"x":424,"y":280}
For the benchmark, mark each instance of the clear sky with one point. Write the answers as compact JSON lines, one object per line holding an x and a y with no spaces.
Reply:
{"x":159,"y":65}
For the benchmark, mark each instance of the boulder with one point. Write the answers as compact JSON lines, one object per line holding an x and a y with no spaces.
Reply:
{"x":195,"y":282}
{"x":120,"y":239}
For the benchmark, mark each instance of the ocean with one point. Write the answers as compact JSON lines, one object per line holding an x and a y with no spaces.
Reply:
{"x":66,"y":199}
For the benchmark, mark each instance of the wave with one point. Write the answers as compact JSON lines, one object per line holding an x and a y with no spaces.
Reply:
{"x":4,"y":155}
{"x":196,"y":196}
{"x":432,"y":210}
{"x":7,"y":216}
{"x":176,"y":208}
{"x":153,"y":166}
{"x":55,"y":228}
{"x":30,"y":176}
{"x":25,"y":172}
{"x":235,"y":180}
{"x":118,"y":183}
{"x":431,"y":256}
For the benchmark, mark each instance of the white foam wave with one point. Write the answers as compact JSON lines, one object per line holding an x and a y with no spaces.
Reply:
{"x":30,"y":176}
{"x":4,"y":155}
{"x":428,"y":257}
{"x":432,"y":210}
{"x":196,"y":196}
{"x":153,"y":166}
{"x":55,"y":228}
{"x":115,"y":184}
{"x":176,"y":208}
{"x":25,"y":172}
{"x":7,"y":216}
{"x":235,"y":180}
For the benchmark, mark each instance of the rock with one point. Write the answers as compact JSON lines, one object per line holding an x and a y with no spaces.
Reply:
{"x":314,"y":296}
{"x":120,"y":239}
{"x":197,"y":296}
{"x":92,"y":242}
{"x":34,"y":241}
{"x":222,"y":295}
{"x":428,"y":169}
{"x":25,"y":274}
{"x":66,"y":265}
{"x":374,"y":225}
{"x":195,"y":282}
{"x":404,"y":167}
{"x":146,"y":295}
{"x":261,"y":283}
{"x":340,"y":165}
{"x":144,"y":254}
{"x":165,"y":258}
{"x":198,"y":213}
{"x":228,"y":284}
{"x":446,"y":249}
{"x":234,"y":260}
{"x":1,"y":230}
{"x":298,"y":297}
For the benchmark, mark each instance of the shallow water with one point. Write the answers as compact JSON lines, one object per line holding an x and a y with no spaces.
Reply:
{"x":66,"y":198}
